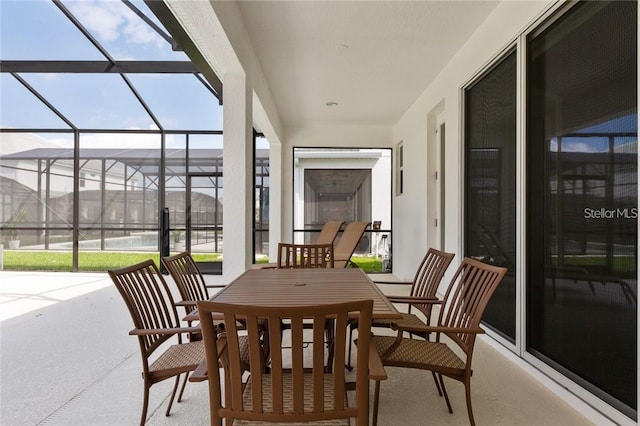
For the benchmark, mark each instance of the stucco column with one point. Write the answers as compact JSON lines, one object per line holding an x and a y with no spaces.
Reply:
{"x":238,"y":171}
{"x":275,"y":199}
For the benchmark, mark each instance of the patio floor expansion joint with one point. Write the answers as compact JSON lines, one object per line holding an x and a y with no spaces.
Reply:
{"x":78,"y":395}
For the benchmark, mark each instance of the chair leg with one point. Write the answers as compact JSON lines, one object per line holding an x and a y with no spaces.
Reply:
{"x":184,"y":385}
{"x":467,"y":388}
{"x":376,"y":400}
{"x":145,"y":404}
{"x":350,"y":344}
{"x":435,"y":379}
{"x":444,"y":391}
{"x":173,"y":395}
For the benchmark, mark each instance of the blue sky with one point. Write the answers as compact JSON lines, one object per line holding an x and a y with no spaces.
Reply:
{"x":591,"y":143}
{"x":38,"y":30}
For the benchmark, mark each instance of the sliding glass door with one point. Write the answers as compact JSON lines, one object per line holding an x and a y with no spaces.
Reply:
{"x":582,"y":198}
{"x":490,"y":184}
{"x":579,"y":203}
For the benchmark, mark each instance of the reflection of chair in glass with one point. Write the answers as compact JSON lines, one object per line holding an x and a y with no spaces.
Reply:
{"x":291,"y":391}
{"x":459,"y":319}
{"x":495,"y":254}
{"x":424,"y":286}
{"x":305,"y":255}
{"x":346,"y":245}
{"x":155,"y":319}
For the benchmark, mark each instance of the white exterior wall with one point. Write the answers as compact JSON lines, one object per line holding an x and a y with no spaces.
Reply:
{"x":381,"y":190}
{"x":499,"y":31}
{"x":380,"y":164}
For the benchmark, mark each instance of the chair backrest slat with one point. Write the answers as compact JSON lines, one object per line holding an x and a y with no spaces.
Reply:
{"x":188,"y":278}
{"x":428,"y":277}
{"x":305,"y":255}
{"x":468,"y":294}
{"x":148,"y":299}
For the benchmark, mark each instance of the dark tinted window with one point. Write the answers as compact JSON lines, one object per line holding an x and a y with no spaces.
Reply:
{"x":582,"y":198}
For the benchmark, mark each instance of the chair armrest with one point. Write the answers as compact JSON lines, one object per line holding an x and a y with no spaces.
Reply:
{"x":415,"y":300}
{"x":200,"y":373}
{"x":216,"y":285}
{"x":376,"y":368}
{"x":186,"y":303}
{"x":437,"y":329}
{"x":394,"y":282}
{"x":151,"y":331}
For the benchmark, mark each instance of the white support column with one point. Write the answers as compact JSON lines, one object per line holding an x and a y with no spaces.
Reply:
{"x":275,"y":199}
{"x":238,"y":171}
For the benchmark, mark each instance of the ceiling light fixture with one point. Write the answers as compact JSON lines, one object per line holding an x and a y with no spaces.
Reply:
{"x":332,"y":104}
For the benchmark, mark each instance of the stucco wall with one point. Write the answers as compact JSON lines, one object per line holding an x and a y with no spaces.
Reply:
{"x":498,"y":32}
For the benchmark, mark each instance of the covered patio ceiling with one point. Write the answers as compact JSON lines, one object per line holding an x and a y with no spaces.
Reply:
{"x":371,"y":58}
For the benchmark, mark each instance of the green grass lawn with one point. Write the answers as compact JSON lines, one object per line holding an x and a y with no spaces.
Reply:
{"x":100,"y":261}
{"x":19,"y":260}
{"x":622,"y":266}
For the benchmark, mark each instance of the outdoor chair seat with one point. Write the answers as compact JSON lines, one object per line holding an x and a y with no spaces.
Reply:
{"x":194,"y":353}
{"x":420,"y":352}
{"x":178,"y":359}
{"x":407,"y":320}
{"x":287,"y":391}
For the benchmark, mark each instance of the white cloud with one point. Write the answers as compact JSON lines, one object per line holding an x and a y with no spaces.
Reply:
{"x":112,"y":21}
{"x":578,"y":147}
{"x":138,"y":32}
{"x":101,"y":18}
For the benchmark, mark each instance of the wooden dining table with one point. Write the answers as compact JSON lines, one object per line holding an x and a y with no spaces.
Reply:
{"x":303,"y":287}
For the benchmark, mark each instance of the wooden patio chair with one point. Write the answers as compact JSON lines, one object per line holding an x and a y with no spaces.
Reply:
{"x":346,"y":245}
{"x":291,"y":391}
{"x":192,"y":287}
{"x":189,"y":279}
{"x":424,"y":286}
{"x":293,"y":256}
{"x":156,"y":322}
{"x":459,"y":319}
{"x":305,"y":255}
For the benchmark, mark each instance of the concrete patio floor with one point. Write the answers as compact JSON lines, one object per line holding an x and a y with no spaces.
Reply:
{"x":66,"y":359}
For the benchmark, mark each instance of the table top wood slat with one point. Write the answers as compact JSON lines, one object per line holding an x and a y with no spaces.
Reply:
{"x":304,"y":287}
